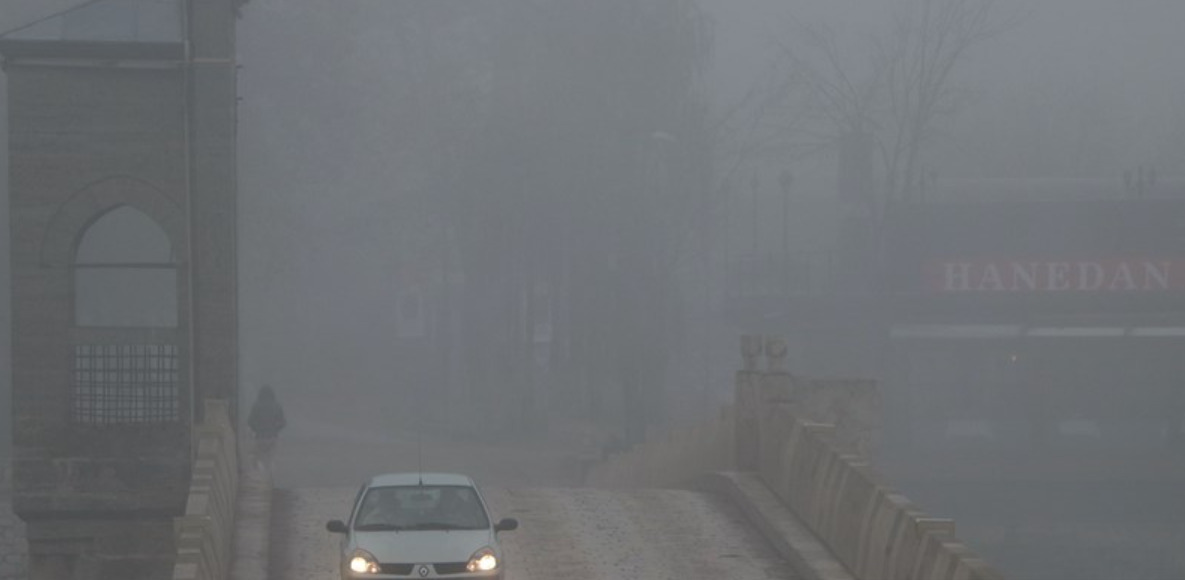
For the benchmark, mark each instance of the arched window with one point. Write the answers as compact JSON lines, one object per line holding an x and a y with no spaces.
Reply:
{"x":125,"y":274}
{"x":126,"y":363}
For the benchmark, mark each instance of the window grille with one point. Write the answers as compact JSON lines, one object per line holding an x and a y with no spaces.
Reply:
{"x":126,"y":384}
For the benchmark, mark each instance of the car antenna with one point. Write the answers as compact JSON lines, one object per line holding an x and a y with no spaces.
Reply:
{"x":420,"y":434}
{"x":419,"y":452}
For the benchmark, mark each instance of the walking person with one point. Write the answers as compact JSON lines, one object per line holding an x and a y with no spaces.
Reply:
{"x":266,"y":421}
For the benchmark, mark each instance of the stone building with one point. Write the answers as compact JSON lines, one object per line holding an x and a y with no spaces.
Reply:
{"x":122,"y":203}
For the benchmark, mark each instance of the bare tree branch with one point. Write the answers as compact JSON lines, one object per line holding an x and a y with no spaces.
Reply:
{"x":908,"y":86}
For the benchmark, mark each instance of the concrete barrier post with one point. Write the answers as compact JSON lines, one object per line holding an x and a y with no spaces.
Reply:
{"x":746,"y":442}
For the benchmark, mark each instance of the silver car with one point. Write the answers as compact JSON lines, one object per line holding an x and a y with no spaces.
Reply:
{"x":420,"y":525}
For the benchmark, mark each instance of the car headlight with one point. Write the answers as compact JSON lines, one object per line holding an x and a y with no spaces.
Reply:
{"x":363,"y":562}
{"x":482,"y":560}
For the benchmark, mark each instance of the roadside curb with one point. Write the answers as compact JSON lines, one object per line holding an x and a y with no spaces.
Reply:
{"x":252,"y":540}
{"x":808,"y":556}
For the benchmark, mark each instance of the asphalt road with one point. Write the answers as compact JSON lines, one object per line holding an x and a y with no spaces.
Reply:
{"x":590,"y":534}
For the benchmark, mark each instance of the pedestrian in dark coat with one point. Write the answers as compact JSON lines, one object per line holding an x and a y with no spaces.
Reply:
{"x":266,"y":421}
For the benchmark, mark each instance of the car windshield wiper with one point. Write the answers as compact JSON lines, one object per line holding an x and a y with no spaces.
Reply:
{"x":378,"y":528}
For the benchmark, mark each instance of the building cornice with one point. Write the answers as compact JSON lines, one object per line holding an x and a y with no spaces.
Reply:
{"x":91,"y":51}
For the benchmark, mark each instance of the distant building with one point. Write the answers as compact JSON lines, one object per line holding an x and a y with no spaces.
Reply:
{"x":1011,"y":321}
{"x":122,"y":205}
{"x":1042,"y":322}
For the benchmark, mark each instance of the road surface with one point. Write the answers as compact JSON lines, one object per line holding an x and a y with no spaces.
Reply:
{"x":591,"y":534}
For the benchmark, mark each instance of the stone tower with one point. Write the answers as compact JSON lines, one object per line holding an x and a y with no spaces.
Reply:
{"x":123,"y":233}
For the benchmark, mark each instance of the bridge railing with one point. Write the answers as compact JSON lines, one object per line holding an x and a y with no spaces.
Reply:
{"x":205,"y":533}
{"x":874,"y":531}
{"x":809,"y":441}
{"x":820,"y":470}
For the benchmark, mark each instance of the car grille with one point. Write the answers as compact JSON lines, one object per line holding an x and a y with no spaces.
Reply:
{"x":442,"y":568}
{"x":450,"y":568}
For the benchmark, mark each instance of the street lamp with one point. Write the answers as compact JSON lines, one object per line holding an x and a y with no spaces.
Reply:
{"x":786,"y":182}
{"x":754,"y":186}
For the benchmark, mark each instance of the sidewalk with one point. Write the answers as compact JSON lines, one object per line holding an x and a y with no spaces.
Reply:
{"x":252,"y":544}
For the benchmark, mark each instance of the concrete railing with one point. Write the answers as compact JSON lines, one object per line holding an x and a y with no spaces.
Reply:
{"x":206,"y":532}
{"x":679,"y":456}
{"x":875,"y":532}
{"x":808,"y":440}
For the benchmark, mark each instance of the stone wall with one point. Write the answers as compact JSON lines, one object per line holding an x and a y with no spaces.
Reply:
{"x":205,"y":534}
{"x":84,"y":141}
{"x":13,"y":548}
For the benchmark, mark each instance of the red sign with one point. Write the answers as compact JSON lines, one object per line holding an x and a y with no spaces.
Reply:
{"x":1003,"y":275}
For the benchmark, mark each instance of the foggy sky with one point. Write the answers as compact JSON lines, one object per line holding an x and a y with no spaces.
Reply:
{"x":1128,"y":55}
{"x":1125,"y":55}
{"x":1122,"y":58}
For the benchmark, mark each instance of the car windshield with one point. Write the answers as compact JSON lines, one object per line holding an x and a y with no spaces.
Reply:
{"x":421,"y":507}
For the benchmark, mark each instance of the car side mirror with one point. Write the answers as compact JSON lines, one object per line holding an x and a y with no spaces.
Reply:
{"x":506,"y":525}
{"x":336,"y":526}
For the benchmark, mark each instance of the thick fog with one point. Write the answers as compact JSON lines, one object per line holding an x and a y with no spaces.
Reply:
{"x":489,"y":221}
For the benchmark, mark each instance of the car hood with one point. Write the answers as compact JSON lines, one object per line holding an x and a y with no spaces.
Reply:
{"x":421,"y":547}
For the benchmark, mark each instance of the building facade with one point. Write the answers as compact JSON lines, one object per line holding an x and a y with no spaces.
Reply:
{"x":122,"y":204}
{"x":1039,"y":323}
{"x":1007,"y":324}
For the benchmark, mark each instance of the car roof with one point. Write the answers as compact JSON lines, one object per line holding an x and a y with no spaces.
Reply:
{"x":416,"y":478}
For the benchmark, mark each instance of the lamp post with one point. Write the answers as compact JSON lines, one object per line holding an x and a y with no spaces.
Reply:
{"x":754,"y":186}
{"x":786,"y":182}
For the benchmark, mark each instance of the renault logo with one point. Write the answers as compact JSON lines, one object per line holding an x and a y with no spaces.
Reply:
{"x":423,"y":571}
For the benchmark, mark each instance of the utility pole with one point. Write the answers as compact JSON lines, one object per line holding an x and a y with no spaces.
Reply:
{"x":754,"y":185}
{"x":786,"y":182}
